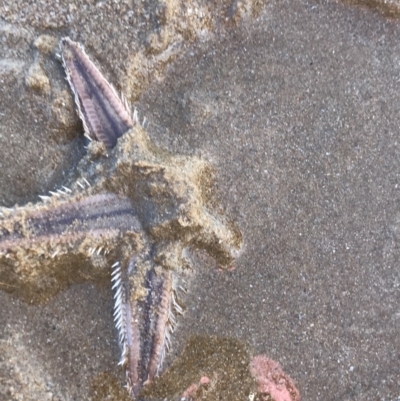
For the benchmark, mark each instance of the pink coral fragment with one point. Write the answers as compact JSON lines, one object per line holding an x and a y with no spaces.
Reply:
{"x":272,"y":380}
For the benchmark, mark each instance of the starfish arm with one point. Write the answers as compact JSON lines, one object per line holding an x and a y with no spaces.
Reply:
{"x":104,"y":115}
{"x":144,"y":315}
{"x":59,"y":241}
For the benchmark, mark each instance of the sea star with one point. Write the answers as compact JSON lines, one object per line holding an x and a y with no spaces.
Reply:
{"x":129,"y":205}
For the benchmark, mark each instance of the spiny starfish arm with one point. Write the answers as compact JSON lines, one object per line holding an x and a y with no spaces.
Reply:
{"x":145,"y":317}
{"x":66,"y":240}
{"x":104,"y":115}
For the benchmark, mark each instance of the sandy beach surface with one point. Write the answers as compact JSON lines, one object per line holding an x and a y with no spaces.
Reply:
{"x":296,"y":105}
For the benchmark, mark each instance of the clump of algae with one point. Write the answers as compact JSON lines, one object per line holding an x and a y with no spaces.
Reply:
{"x":224,"y":360}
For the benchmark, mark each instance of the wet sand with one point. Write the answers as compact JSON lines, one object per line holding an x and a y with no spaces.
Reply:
{"x":296,"y":107}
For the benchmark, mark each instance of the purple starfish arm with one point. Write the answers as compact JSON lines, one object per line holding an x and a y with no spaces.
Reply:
{"x":104,"y":116}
